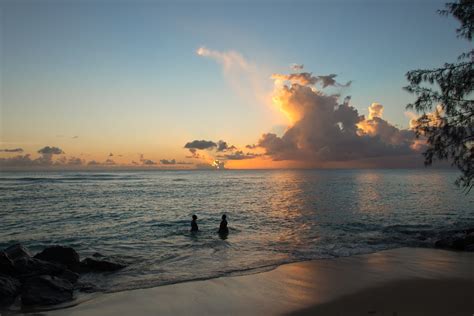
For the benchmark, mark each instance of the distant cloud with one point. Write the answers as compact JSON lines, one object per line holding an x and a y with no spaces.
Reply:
{"x":216,"y":164}
{"x":108,"y":162}
{"x":148,"y":162}
{"x":75,"y":137}
{"x":297,"y":67}
{"x":45,"y":160}
{"x":13,"y":150}
{"x":183,"y":163}
{"x":19,"y":161}
{"x":74,"y":161}
{"x":168,"y":162}
{"x":239,"y":155}
{"x":111,"y":155}
{"x":200,"y":144}
{"x":50,"y":151}
{"x":194,"y":154}
{"x":223,"y":146}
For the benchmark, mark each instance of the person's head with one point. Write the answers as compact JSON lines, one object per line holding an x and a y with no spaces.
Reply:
{"x":195,"y":217}
{"x":224,"y":217}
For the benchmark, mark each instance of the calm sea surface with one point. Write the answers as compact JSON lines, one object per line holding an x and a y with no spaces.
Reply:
{"x":274,"y":217}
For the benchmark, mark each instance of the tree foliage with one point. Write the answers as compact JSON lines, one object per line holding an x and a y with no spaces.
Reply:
{"x":449,"y":127}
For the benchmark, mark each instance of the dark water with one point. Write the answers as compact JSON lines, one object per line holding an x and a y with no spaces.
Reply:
{"x":274,"y":217}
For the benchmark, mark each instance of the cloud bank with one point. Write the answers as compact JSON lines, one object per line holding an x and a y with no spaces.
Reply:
{"x":13,"y":150}
{"x":322,"y":129}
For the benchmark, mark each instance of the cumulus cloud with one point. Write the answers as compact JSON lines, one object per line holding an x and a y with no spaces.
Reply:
{"x":307,"y":79}
{"x":322,"y":129}
{"x":12,"y":150}
{"x":302,"y":78}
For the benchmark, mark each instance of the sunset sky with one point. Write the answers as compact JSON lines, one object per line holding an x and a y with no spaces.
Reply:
{"x":142,"y":83}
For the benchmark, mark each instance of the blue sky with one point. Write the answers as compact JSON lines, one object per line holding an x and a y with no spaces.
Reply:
{"x":124,"y":76}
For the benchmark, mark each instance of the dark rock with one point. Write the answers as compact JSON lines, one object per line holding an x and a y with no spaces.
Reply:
{"x":69,"y":275}
{"x":457,"y":241}
{"x":86,"y":287}
{"x":6,"y":264}
{"x":46,"y":290}
{"x":444,"y":243}
{"x":458,"y":244}
{"x":59,"y":254}
{"x":469,"y":231}
{"x":17,"y":251}
{"x":469,"y":247}
{"x":470,"y":239}
{"x":93,"y":265}
{"x":28,"y":267}
{"x":9,"y":289}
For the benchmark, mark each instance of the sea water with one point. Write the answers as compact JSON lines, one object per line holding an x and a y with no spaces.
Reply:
{"x":275,"y":217}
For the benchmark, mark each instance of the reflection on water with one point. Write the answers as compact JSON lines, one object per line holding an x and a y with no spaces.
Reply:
{"x":274,"y":216}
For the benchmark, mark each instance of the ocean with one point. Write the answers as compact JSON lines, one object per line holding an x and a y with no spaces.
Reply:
{"x":275,"y":217}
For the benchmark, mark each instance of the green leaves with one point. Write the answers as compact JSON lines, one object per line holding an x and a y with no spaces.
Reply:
{"x":449,"y":130}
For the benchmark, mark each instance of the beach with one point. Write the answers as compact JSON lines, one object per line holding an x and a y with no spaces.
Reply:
{"x":403,"y":281}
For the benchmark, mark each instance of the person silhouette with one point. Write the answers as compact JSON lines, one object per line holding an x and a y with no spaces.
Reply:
{"x":223,"y":230}
{"x":194,"y":225}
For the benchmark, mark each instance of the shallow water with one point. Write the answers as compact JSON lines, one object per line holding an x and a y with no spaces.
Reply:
{"x":274,"y":217}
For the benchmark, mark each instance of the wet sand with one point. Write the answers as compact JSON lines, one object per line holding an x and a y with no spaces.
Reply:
{"x":405,"y":281}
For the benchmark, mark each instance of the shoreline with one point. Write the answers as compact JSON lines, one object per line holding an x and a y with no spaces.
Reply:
{"x":311,"y":288}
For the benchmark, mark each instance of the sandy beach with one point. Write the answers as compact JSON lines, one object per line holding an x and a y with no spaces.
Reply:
{"x":405,"y":281}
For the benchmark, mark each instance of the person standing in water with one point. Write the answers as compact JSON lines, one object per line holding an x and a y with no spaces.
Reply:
{"x":223,"y":230}
{"x":194,"y":225}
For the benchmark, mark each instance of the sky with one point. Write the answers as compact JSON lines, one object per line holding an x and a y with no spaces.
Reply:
{"x":87,"y":84}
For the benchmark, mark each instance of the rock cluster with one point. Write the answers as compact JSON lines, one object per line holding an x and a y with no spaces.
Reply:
{"x":460,"y":240}
{"x":48,"y":278}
